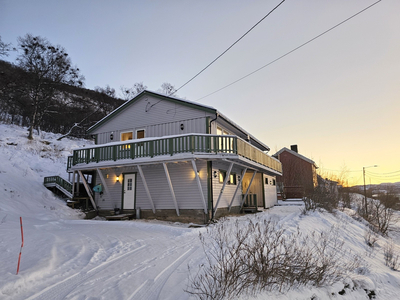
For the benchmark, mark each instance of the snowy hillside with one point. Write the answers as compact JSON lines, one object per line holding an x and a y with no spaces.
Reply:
{"x":66,"y":257}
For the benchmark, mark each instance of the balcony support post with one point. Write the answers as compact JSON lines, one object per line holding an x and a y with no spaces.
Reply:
{"x":73,"y":185}
{"x":146,"y":188}
{"x":248,"y":189}
{"x":239,"y":184}
{"x":228,"y":174}
{"x":171,"y":188}
{"x":199,"y":186}
{"x":103,"y":182}
{"x":89,"y":192}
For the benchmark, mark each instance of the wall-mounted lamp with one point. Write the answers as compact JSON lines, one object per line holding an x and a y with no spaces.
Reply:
{"x":112,"y":135}
{"x":198,"y":173}
{"x":182,"y":126}
{"x":117,"y":179}
{"x":107,"y":175}
{"x":215,"y":174}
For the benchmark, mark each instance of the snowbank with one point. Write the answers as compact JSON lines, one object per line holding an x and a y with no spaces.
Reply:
{"x":65,"y":257}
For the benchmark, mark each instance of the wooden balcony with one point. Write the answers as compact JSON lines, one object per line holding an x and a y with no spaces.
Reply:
{"x":172,"y":145}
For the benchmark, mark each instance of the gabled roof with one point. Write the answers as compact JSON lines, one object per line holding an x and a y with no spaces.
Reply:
{"x":295,"y":154}
{"x":161,"y":96}
{"x":184,"y":102}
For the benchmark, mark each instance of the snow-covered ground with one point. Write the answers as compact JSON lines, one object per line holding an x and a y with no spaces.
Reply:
{"x":66,"y":257}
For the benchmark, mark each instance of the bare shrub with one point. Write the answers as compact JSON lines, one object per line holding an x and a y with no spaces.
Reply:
{"x":321,"y":198}
{"x":391,"y":259}
{"x":370,"y":237}
{"x":347,"y":198}
{"x":381,"y":216}
{"x":245,"y":259}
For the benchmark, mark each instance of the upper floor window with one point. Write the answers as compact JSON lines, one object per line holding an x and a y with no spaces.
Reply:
{"x":225,"y":143}
{"x":126,"y":136}
{"x":140,"y":134}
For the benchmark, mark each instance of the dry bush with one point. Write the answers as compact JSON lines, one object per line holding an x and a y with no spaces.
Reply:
{"x":391,"y":259}
{"x":321,"y":198}
{"x":370,"y":237}
{"x":380,"y":215}
{"x":247,"y":258}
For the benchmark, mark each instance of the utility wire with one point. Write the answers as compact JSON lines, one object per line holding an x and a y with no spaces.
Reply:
{"x":287,"y":53}
{"x":227,"y":49}
{"x":383,"y":176}
{"x":374,"y":173}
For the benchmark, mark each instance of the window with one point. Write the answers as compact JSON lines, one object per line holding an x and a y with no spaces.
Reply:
{"x":266,"y":180}
{"x":232,"y":179}
{"x":126,"y":136}
{"x":222,"y":176}
{"x":129,"y":187}
{"x":225,"y":143}
{"x":140,"y":134}
{"x":273,"y":182}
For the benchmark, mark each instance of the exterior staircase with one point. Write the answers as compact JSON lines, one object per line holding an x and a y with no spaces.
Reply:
{"x":59,"y":183}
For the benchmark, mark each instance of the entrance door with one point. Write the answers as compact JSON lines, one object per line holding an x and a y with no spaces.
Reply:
{"x":129,"y":191}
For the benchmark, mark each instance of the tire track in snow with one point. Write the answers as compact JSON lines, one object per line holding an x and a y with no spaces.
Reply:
{"x":152,"y":288}
{"x":61,"y":289}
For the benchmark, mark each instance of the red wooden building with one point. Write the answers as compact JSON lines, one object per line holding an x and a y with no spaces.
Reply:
{"x":299,"y":176}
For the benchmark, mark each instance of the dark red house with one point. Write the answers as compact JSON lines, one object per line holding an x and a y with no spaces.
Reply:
{"x":299,"y":173}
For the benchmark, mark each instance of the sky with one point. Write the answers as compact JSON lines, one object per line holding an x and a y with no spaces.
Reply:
{"x":337,"y":97}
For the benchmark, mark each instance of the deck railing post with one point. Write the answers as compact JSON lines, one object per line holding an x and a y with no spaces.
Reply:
{"x":192,"y":144}
{"x":171,"y":146}
{"x":132,"y":151}
{"x":87,"y":155}
{"x":114,"y":153}
{"x":151,"y":150}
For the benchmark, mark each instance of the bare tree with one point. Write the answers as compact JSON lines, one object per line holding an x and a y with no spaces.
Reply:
{"x":49,"y":67}
{"x":5,"y":48}
{"x":167,"y":89}
{"x":129,"y":93}
{"x":109,"y":91}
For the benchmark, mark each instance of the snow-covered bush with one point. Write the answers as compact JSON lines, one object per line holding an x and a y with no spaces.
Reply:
{"x":246,"y":258}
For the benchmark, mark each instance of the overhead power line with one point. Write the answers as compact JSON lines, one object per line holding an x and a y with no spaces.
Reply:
{"x":389,"y":173}
{"x":228,"y":48}
{"x":291,"y":51}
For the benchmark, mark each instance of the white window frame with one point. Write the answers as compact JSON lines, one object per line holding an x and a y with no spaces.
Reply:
{"x":139,"y":129}
{"x":122,"y":132}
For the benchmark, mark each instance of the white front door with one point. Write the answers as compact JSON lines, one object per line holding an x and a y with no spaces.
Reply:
{"x":129,"y":191}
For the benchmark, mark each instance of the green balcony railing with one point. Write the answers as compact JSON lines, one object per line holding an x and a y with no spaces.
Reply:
{"x":190,"y":143}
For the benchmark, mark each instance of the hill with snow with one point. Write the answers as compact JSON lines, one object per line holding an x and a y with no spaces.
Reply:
{"x":66,"y":257}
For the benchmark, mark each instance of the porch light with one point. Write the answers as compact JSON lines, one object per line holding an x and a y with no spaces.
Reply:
{"x":117,"y":179}
{"x":215,"y":174}
{"x":112,"y":135}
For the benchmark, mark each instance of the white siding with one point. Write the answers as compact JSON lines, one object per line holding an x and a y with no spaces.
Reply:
{"x":182,"y":177}
{"x":229,"y":190}
{"x":158,"y":118}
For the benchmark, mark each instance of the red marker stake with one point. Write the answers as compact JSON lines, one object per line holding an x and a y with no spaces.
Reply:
{"x":22,"y":237}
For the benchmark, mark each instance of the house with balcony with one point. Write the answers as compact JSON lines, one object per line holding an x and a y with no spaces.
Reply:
{"x":162,"y":157}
